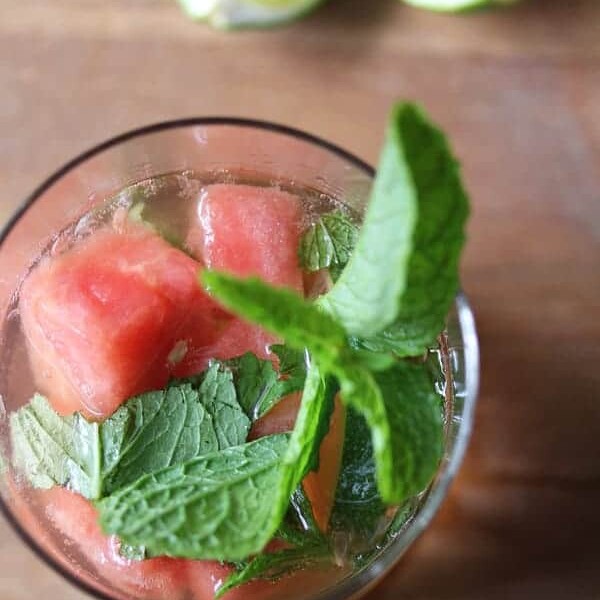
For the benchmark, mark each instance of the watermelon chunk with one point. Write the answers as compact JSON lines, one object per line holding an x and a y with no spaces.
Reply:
{"x":108,"y":319}
{"x":76,"y":518}
{"x":247,"y":230}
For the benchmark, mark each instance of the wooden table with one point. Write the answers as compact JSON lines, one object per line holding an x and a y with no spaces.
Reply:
{"x":519,"y":91}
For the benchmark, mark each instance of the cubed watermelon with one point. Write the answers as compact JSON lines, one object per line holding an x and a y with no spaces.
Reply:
{"x":104,"y":319}
{"x":248,"y":230}
{"x":76,"y":518}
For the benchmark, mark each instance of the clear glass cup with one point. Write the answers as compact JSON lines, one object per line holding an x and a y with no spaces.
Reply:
{"x":223,"y":149}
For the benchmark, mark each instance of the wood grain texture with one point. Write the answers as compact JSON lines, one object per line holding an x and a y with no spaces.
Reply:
{"x":519,"y":92}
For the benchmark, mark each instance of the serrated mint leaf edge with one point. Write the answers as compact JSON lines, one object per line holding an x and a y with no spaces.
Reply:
{"x":119,"y":514}
{"x":365,"y":299}
{"x":65,"y":451}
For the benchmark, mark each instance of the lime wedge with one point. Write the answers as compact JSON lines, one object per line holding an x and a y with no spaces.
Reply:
{"x":457,"y":5}
{"x":233,"y":14}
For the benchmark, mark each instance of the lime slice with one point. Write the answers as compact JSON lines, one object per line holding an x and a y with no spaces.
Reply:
{"x":457,"y":5}
{"x":233,"y":14}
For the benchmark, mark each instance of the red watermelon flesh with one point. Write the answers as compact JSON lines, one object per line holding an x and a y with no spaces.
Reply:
{"x":204,"y":577}
{"x":247,"y":230}
{"x":76,"y":518}
{"x":102,"y":319}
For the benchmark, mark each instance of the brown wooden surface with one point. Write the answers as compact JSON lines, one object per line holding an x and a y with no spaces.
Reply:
{"x":519,"y":91}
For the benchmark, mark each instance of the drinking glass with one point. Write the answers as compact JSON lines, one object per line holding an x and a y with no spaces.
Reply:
{"x":218,"y":149}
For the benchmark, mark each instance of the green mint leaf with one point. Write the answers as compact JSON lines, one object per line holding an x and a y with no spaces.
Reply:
{"x":53,"y":450}
{"x":358,"y":506}
{"x":415,"y":414}
{"x":403,"y":516}
{"x":360,"y":391}
{"x":172,"y":426}
{"x":148,"y":433}
{"x":218,"y":395}
{"x":275,"y":565}
{"x":402,"y":279}
{"x":281,"y":311}
{"x":215,"y":507}
{"x":311,"y":426}
{"x":300,"y":531}
{"x":260,"y":387}
{"x":404,"y":414}
{"x":328,"y":243}
{"x":366,"y":296}
{"x":256,"y":384}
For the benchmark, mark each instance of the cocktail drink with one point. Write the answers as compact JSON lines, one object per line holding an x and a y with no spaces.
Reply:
{"x":212,"y":385}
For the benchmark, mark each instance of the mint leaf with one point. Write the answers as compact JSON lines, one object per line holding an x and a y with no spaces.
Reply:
{"x":358,"y":506}
{"x":168,"y":427}
{"x":52,"y":450}
{"x":311,"y":426}
{"x":415,"y":414}
{"x":300,"y":524}
{"x":216,"y":507}
{"x":280,"y":311}
{"x":328,"y":243}
{"x":148,"y":433}
{"x":404,"y":414}
{"x":366,"y":296}
{"x":402,"y":279}
{"x":275,"y":565}
{"x":256,"y":384}
{"x":260,"y":387}
{"x":218,"y":395}
{"x":403,"y":516}
{"x":360,"y":390}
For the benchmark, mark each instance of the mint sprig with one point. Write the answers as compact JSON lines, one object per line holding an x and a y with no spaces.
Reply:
{"x":305,"y":325}
{"x":404,"y":267}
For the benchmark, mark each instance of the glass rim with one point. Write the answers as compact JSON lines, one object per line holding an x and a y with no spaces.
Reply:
{"x":161,"y":126}
{"x":356,"y":584}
